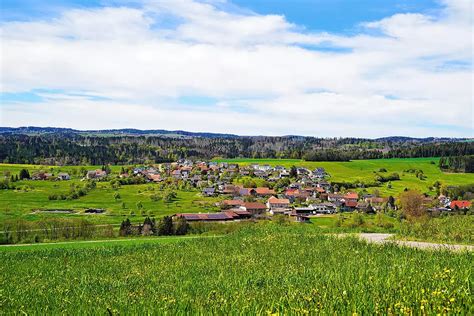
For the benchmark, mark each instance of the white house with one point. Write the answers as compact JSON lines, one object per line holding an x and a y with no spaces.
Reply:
{"x":276,"y":205}
{"x":63,"y":176}
{"x":323,"y":208}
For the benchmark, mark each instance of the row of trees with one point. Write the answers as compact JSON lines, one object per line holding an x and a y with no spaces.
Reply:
{"x":457,"y":164}
{"x":164,"y":227}
{"x":17,"y":231}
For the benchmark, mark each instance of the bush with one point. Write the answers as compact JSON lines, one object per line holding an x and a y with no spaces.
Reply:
{"x":357,"y":220}
{"x":182,"y":227}
{"x":451,"y":228}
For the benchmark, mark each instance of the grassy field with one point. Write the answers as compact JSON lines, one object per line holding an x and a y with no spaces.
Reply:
{"x":258,"y":270}
{"x":124,"y":242}
{"x":33,"y":195}
{"x":363,"y":170}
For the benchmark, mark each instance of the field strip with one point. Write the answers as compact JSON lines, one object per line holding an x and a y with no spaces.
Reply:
{"x":109,"y":241}
{"x":386,"y":238}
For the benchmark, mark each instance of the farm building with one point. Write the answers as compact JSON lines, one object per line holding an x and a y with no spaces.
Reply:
{"x":63,"y":176}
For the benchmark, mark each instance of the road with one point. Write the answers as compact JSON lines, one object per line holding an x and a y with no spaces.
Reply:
{"x":386,"y":238}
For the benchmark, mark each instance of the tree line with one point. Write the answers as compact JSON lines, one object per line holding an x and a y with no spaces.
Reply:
{"x":75,"y":149}
{"x":457,"y":164}
{"x":164,"y":227}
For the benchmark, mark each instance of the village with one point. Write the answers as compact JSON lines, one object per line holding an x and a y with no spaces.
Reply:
{"x":263,"y":191}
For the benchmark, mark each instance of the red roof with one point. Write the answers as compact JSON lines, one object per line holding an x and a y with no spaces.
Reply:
{"x":274,"y":200}
{"x":238,"y":212}
{"x":233,"y":202}
{"x":375,"y":200}
{"x":264,"y":191}
{"x":351,"y":196}
{"x":296,"y":193}
{"x":255,"y":206}
{"x":460,"y":204}
{"x":154,"y":177}
{"x":351,"y":203}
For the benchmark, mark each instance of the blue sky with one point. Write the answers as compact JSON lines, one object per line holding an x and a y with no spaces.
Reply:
{"x":365,"y":68}
{"x":340,"y":16}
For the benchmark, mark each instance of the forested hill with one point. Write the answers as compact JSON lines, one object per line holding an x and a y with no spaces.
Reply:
{"x":67,"y":146}
{"x":32,"y":130}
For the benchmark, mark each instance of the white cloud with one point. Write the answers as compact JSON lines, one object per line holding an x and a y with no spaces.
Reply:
{"x":412,"y":77}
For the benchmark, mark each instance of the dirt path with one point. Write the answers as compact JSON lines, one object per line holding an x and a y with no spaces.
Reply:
{"x":386,"y":238}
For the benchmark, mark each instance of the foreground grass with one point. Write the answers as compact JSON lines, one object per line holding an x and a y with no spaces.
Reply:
{"x":456,"y":229}
{"x":260,"y":269}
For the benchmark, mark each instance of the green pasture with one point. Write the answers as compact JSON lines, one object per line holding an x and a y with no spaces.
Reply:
{"x":364,"y":170}
{"x":31,"y":200}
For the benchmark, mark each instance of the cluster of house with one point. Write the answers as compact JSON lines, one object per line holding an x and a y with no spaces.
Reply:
{"x":306,"y":187}
{"x":96,"y":174}
{"x":446,"y":205}
{"x":326,"y":203}
{"x":202,"y":173}
{"x":50,"y":176}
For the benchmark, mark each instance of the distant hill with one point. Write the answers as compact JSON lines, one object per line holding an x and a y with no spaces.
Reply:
{"x":29,"y":130}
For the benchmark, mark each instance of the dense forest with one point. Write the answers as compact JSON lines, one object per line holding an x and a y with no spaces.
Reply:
{"x":70,"y":148}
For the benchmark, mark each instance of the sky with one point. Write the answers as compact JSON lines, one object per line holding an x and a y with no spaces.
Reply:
{"x":324,"y":68}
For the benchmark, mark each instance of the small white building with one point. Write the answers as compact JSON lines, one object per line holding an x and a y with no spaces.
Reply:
{"x":63,"y":176}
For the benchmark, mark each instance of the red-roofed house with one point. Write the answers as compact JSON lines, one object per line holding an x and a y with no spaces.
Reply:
{"x":351,"y":196}
{"x":232,"y":203}
{"x":460,"y":204}
{"x":278,"y":206}
{"x":154,"y":177}
{"x":275,"y":203}
{"x":264,"y":191}
{"x":350,"y":205}
{"x":254,"y":207}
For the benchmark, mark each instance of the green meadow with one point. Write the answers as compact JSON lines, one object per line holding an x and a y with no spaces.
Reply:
{"x":30,"y":200}
{"x":364,"y":170}
{"x":262,"y":269}
{"x":31,"y":203}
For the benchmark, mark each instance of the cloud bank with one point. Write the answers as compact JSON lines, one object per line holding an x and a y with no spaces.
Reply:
{"x":209,"y":66}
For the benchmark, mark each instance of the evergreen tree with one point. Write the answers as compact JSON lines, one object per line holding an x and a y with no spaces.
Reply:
{"x":165,"y":226}
{"x":24,"y":174}
{"x":293,"y":172}
{"x":182,"y":227}
{"x":391,"y":201}
{"x":125,"y":228}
